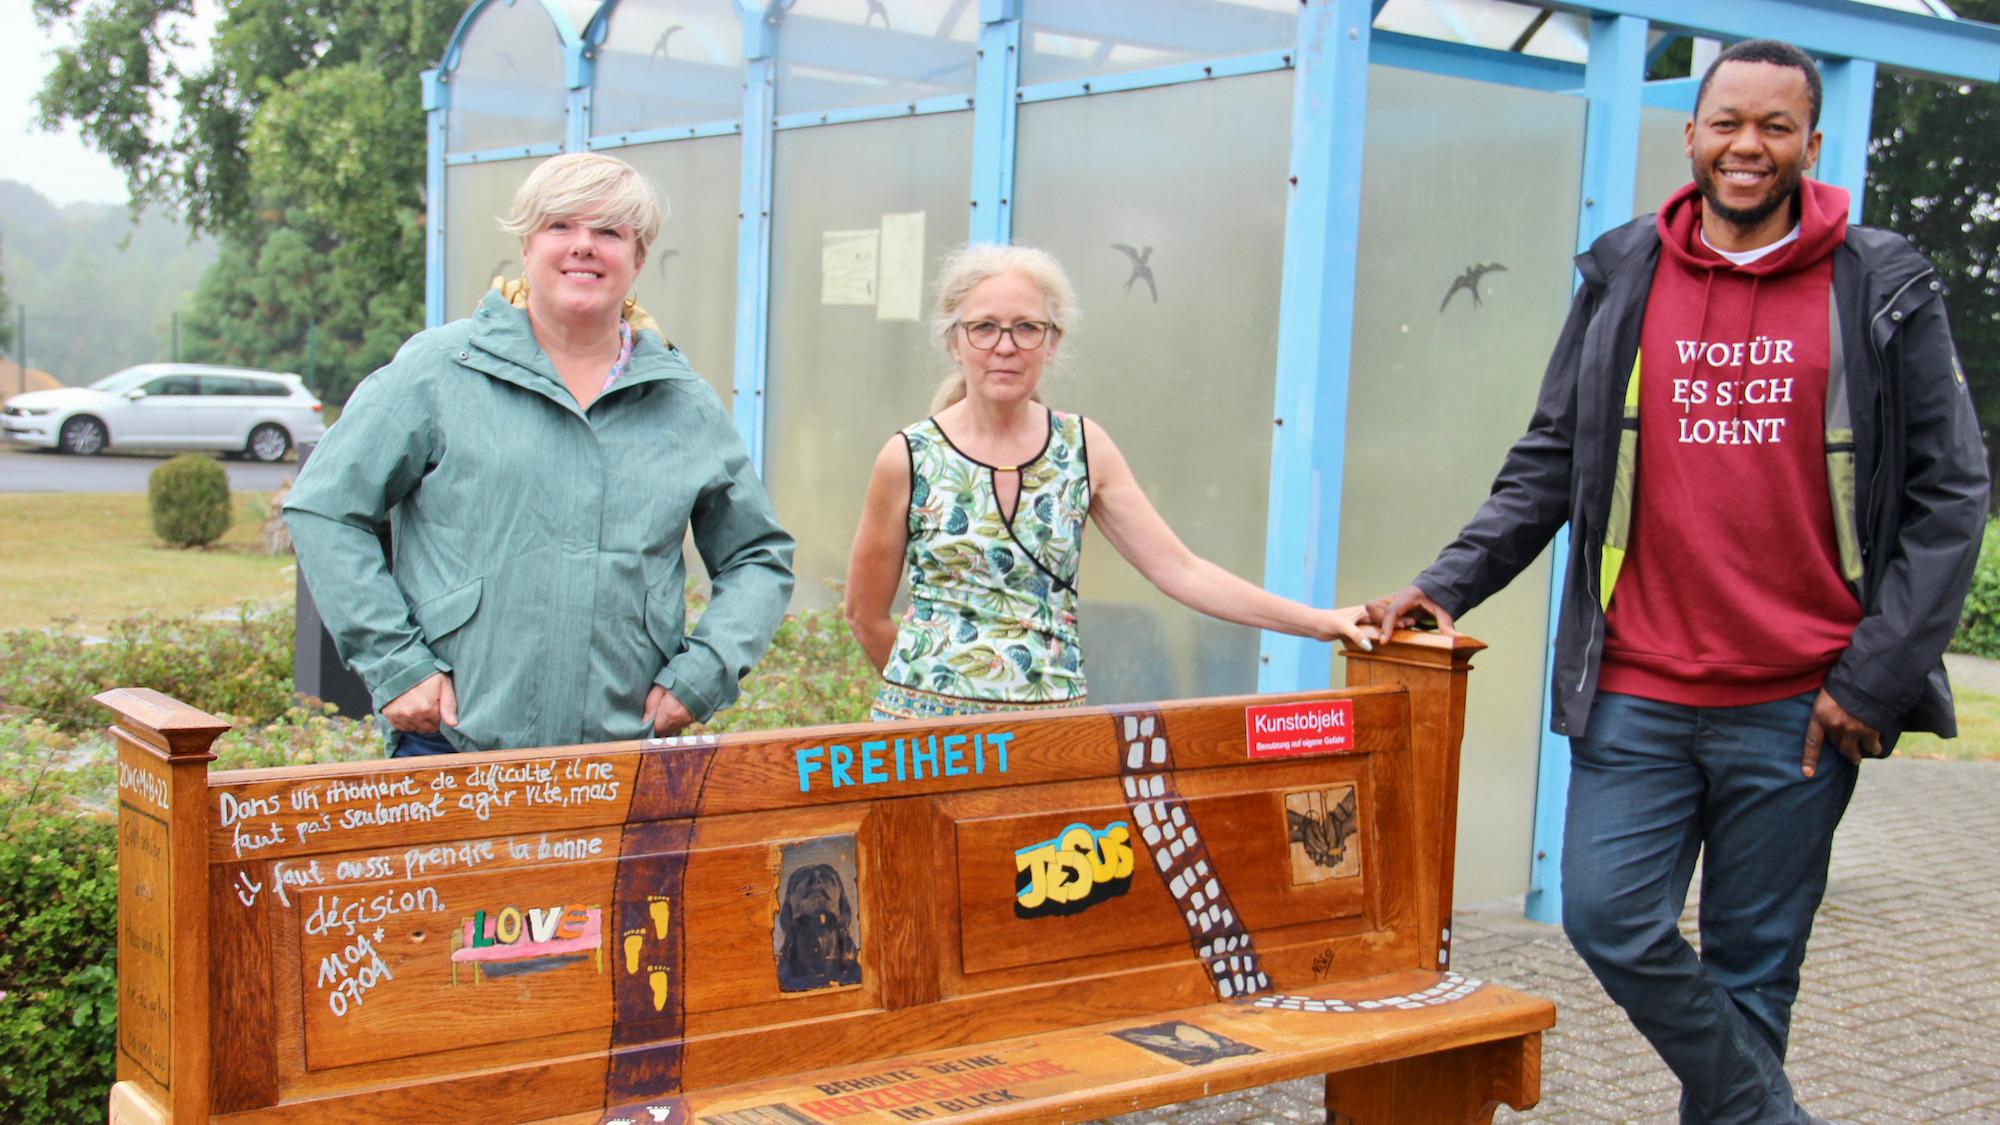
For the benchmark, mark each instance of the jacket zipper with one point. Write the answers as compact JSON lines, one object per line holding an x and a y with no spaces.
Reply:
{"x":1882,"y":439}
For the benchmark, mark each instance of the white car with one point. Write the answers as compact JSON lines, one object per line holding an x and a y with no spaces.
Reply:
{"x":171,"y":406}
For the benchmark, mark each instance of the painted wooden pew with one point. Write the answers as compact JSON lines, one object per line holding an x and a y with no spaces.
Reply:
{"x":1031,"y":917}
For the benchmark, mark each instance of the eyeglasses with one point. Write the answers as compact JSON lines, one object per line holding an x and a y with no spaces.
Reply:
{"x":1027,"y":335}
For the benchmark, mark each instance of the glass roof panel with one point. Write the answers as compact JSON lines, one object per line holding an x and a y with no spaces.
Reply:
{"x":1066,"y":39}
{"x":1516,"y":25}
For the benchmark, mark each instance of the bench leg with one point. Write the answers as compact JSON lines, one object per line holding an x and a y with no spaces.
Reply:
{"x":1462,"y":1085}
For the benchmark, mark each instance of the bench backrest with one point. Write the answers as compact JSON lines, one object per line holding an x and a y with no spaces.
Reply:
{"x":518,"y":934}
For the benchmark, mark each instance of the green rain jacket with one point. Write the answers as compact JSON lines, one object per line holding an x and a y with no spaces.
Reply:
{"x":537,"y":547}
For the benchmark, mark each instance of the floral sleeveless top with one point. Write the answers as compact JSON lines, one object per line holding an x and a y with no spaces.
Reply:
{"x":992,"y":613}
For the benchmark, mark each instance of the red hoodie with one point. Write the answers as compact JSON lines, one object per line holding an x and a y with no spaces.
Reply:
{"x":1731,"y":592}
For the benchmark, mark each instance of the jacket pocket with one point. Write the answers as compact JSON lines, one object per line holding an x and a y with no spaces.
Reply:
{"x":445,"y":614}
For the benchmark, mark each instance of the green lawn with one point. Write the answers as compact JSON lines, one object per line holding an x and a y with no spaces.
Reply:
{"x":92,"y":556}
{"x":1978,"y":732}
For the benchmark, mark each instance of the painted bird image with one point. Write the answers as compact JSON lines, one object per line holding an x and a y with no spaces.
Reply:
{"x":1142,"y":269}
{"x":1469,"y":281}
{"x":1324,"y":834}
{"x":660,"y":45}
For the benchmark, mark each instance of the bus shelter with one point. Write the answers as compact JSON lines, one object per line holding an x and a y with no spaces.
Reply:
{"x":1322,"y":248}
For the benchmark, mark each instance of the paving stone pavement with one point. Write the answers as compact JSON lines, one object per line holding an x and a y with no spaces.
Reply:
{"x":1898,"y":1018}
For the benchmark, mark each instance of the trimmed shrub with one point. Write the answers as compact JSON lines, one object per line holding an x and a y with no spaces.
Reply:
{"x":1979,"y":625}
{"x":189,"y":496}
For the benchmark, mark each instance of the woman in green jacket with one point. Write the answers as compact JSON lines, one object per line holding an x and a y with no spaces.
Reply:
{"x":537,"y":468}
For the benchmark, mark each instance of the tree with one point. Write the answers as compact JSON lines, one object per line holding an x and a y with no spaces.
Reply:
{"x":300,"y":141}
{"x":6,"y":320}
{"x":1934,"y":176}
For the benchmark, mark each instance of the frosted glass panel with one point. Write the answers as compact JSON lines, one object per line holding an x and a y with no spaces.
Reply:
{"x":508,"y":87}
{"x":666,"y":63}
{"x":475,"y":248}
{"x":850,"y":359}
{"x":838,"y":53}
{"x":1663,"y":160}
{"x":689,"y":281}
{"x":1063,"y":39}
{"x":1176,"y":350}
{"x":1469,"y":202}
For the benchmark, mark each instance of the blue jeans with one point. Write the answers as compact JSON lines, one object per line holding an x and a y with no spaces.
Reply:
{"x":1652,"y":786}
{"x":410,"y":744}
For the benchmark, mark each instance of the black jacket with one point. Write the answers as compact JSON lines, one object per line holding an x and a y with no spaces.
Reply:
{"x":1922,"y":500}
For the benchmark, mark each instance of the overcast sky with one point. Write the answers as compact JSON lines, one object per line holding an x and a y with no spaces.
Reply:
{"x":59,"y":165}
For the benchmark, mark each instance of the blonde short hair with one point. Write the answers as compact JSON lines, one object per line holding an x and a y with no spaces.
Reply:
{"x":966,"y":268}
{"x":586,"y":185}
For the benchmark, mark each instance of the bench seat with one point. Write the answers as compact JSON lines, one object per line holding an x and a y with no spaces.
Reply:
{"x":1458,"y":1059}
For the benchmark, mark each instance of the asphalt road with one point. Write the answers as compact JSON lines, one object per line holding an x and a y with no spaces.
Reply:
{"x":27,"y":470}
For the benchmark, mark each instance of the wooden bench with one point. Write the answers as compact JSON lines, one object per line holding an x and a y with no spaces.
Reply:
{"x":1025,"y":917}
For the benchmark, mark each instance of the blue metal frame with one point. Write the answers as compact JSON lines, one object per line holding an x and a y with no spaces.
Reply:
{"x":1614,"y":85}
{"x":1831,"y":28}
{"x":753,"y":230}
{"x":1847,"y":105}
{"x":672,"y":133}
{"x":1334,"y":46}
{"x":1671,"y":93}
{"x":1171,"y":75}
{"x":946,"y":103}
{"x":579,"y":75}
{"x":512,"y":152}
{"x":437,"y":105}
{"x":1315,"y":328}
{"x":994,"y":113}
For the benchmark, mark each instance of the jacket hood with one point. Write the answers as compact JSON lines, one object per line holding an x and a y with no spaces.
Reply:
{"x":1822,"y":228}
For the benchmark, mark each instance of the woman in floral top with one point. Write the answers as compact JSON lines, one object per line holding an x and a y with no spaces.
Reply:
{"x":985,"y":501}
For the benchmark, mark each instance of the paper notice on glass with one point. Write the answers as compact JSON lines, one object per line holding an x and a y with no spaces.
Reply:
{"x":847,"y":267}
{"x":902,"y":276}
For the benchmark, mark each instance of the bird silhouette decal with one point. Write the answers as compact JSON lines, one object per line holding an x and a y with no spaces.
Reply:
{"x":1142,"y":268}
{"x":1469,"y":281}
{"x":660,"y":45}
{"x":1324,"y":834}
{"x":664,"y":255}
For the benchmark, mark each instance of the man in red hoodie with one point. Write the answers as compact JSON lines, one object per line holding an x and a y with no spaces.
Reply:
{"x":1756,"y":426}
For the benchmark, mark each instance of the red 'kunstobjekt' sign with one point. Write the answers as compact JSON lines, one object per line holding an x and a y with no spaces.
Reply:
{"x":1284,"y":729}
